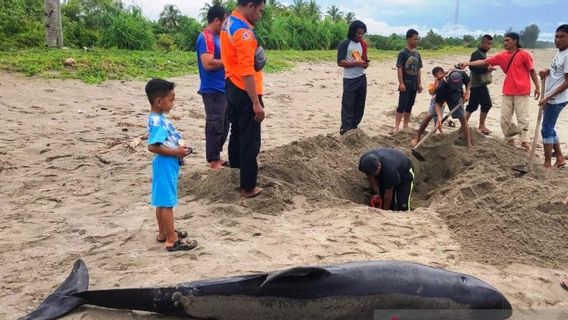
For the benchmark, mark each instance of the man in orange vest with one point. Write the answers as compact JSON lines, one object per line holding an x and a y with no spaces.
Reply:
{"x":243,"y":59}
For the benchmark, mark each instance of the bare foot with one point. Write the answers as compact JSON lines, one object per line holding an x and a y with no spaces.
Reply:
{"x":560,"y":162}
{"x":564,"y":283}
{"x":526,"y":146}
{"x":251,"y":193}
{"x":484,"y":130}
{"x":215,"y":165}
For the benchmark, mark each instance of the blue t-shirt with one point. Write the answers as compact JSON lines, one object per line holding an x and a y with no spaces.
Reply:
{"x":162,"y":131}
{"x":211,"y":81}
{"x":165,"y":169}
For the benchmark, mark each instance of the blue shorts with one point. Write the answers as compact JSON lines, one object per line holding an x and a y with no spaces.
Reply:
{"x":432,"y":109}
{"x":165,"y":172}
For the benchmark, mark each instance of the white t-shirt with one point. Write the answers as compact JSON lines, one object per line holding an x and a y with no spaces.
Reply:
{"x":354,"y":48}
{"x":558,"y":69}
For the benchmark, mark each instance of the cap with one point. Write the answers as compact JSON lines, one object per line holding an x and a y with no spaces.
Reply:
{"x":455,"y":80}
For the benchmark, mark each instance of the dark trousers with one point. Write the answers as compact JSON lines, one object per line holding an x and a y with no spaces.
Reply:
{"x":401,"y":196}
{"x":407,"y":99}
{"x":353,"y":102}
{"x":244,"y":141}
{"x":216,"y":124}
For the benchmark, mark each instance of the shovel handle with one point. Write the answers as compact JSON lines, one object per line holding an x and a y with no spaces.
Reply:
{"x":538,"y":121}
{"x":443,"y":120}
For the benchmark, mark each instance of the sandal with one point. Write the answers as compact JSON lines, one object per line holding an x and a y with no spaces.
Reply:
{"x":180,"y":245}
{"x":181,"y":235}
{"x":486,"y":132}
{"x":226,"y":163}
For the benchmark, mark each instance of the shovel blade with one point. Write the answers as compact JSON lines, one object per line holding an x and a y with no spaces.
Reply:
{"x":521,"y":168}
{"x":417,"y":155}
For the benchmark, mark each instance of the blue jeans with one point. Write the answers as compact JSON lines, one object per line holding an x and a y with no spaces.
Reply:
{"x":550,"y":116}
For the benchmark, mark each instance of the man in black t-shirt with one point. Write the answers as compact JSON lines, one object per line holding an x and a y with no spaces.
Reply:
{"x":409,"y":72}
{"x":480,"y":78}
{"x":390,"y":176}
{"x":452,"y":92}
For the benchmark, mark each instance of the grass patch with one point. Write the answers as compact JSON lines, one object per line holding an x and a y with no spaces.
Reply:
{"x":95,"y":66}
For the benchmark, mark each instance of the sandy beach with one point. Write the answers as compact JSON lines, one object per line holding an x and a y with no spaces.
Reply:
{"x":75,"y":183}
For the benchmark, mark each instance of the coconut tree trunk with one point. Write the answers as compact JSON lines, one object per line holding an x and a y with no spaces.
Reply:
{"x":53,"y":24}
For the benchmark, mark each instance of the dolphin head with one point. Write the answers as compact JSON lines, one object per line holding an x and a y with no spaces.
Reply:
{"x":482,"y":297}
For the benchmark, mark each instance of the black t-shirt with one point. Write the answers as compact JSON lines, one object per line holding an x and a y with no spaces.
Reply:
{"x":411,"y":63}
{"x":452,"y":96}
{"x":395,"y":167}
{"x":476,"y":72}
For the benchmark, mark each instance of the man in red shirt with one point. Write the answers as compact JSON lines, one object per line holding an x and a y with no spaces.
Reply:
{"x":244,"y":89}
{"x":519,"y":70}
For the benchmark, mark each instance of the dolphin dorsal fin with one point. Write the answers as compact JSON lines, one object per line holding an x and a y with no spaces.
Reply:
{"x":297,"y":272}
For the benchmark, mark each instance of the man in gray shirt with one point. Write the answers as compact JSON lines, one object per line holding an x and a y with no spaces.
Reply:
{"x":352,"y":56}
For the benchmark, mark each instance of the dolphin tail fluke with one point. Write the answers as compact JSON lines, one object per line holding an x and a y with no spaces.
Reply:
{"x":63,"y":301}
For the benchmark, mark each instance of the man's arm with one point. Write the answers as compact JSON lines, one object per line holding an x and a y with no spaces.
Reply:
{"x":210,"y":63}
{"x":250,"y":86}
{"x":563,"y":87}
{"x":401,"y":85}
{"x":419,"y":80}
{"x":534,"y":78}
{"x":388,"y":199}
{"x":373,"y":183}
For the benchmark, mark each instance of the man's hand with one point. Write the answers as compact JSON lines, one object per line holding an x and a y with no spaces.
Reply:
{"x":419,"y":88}
{"x":491,"y":69}
{"x":461,"y":65}
{"x":258,"y":112}
{"x":466,"y":96}
{"x":536,"y":93}
{"x":439,"y":123}
{"x":361,"y":64}
{"x":544,"y":73}
{"x":402,"y":87}
{"x":544,"y":102}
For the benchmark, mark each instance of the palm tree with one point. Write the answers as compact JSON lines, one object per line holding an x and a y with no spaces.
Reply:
{"x":350,"y":17}
{"x":313,"y":9}
{"x":229,"y":5}
{"x":169,"y":18}
{"x":298,"y":6}
{"x":53,"y":25}
{"x":334,"y":13}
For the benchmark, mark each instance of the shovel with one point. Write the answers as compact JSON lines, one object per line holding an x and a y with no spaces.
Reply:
{"x":414,"y":150}
{"x":521,"y":168}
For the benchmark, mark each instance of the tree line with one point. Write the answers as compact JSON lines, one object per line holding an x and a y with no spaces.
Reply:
{"x":302,"y":25}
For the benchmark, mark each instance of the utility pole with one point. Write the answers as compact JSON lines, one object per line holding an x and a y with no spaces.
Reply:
{"x":457,"y":17}
{"x":53,"y":24}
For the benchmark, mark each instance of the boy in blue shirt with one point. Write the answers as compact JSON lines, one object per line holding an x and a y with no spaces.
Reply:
{"x":165,"y":141}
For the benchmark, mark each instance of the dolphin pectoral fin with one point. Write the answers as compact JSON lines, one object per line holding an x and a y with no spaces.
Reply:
{"x":63,"y":301}
{"x":296,"y":273}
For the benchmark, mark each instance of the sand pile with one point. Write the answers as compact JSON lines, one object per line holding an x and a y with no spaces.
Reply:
{"x":497,"y":216}
{"x":476,"y":192}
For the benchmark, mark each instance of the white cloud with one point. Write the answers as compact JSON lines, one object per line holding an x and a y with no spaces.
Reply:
{"x":152,"y":8}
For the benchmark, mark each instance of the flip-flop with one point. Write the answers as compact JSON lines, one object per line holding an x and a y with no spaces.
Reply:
{"x":181,"y":235}
{"x":184,"y":245}
{"x":226,"y":163}
{"x":485,"y":132}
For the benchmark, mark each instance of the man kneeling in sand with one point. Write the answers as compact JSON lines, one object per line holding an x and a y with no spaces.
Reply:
{"x":390,"y":176}
{"x":450,"y":91}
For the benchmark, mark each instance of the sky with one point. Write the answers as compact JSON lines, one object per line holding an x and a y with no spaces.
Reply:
{"x":385,"y":17}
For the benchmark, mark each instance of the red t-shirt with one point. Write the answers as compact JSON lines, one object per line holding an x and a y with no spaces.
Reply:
{"x":517,"y":79}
